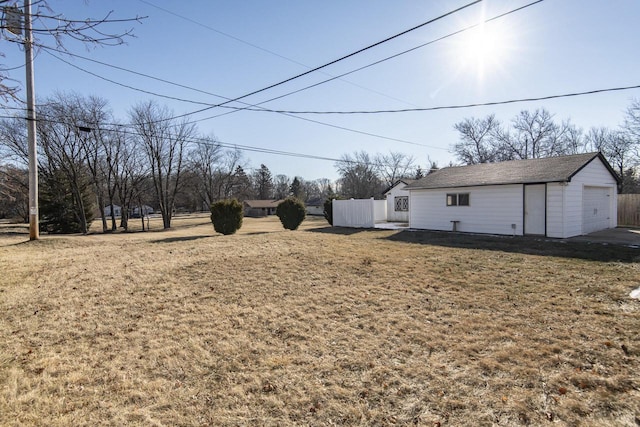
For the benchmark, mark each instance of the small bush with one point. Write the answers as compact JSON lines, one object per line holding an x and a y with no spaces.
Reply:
{"x":291,"y":213}
{"x":226,"y":216}
{"x":328,"y":210}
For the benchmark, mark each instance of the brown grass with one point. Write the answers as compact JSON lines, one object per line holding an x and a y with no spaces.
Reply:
{"x":319,"y":326}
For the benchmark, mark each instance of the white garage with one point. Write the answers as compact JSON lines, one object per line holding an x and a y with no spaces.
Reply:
{"x":560,"y":197}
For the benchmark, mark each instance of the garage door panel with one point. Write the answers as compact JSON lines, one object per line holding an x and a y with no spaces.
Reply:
{"x":596,"y":209}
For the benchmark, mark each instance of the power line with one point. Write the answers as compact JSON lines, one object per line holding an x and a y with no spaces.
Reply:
{"x":447,"y":107}
{"x":215,"y":30}
{"x":106,"y":64}
{"x":371,"y":64}
{"x":229,"y":100}
{"x":238,"y":108}
{"x":126,"y":85}
{"x":217,"y":142}
{"x":331,"y":62}
{"x":271,"y":99}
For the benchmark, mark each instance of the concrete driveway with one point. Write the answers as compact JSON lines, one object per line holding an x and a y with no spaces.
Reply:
{"x":614,"y":236}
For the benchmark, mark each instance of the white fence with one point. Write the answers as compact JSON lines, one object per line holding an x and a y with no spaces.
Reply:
{"x":360,"y":213}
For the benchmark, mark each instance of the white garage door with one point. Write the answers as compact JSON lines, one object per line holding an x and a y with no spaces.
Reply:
{"x":596,"y":209}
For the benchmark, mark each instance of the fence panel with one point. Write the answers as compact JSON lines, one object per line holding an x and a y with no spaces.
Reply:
{"x":629,"y":209}
{"x":358,"y":213}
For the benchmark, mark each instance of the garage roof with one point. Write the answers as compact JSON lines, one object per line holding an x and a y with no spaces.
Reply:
{"x":533,"y":171}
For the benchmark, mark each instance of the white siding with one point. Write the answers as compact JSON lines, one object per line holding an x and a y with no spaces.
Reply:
{"x":392,"y":214}
{"x":594,"y":174}
{"x":555,"y":209}
{"x":379,"y":210}
{"x":492,"y":209}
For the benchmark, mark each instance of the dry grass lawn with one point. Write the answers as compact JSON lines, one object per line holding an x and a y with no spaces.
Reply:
{"x":317,"y":327}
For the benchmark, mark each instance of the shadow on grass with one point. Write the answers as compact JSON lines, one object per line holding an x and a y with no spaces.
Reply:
{"x":522,"y":245}
{"x":344,"y":231}
{"x":14,"y":233}
{"x":179,"y":239}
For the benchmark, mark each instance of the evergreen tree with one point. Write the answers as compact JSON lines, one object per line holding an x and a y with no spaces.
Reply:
{"x":263,"y":183}
{"x":296,"y":188}
{"x":241,"y":185}
{"x":60,"y":209}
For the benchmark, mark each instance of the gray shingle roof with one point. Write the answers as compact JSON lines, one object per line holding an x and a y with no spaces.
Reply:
{"x":260,"y":204}
{"x":551,"y":169}
{"x":407,"y":181}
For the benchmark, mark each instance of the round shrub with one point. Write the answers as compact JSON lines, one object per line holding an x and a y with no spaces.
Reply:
{"x":226,"y":216}
{"x":291,"y":212}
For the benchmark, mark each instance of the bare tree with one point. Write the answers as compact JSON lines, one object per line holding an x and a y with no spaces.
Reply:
{"x":358,"y":176}
{"x":130,"y":175}
{"x":164,"y":140}
{"x":89,"y":114}
{"x":618,"y":147}
{"x":63,"y":164}
{"x":13,"y":141}
{"x":632,"y":120}
{"x":52,"y":29}
{"x":394,"y":166}
{"x":225,"y":174}
{"x":477,"y":140}
{"x":205,"y":164}
{"x":536,"y":135}
{"x":324,"y":187}
{"x":281,"y":185}
{"x":14,"y":192}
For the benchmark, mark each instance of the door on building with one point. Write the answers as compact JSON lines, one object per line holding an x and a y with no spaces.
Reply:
{"x":596,"y":209}
{"x":535,"y":209}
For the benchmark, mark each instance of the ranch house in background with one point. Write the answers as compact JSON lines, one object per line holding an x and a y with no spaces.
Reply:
{"x":117,"y":210}
{"x":133,"y":213}
{"x":555,"y":197}
{"x":258,"y":208}
{"x":315,"y":206}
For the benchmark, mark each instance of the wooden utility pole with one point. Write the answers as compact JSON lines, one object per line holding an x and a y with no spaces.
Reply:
{"x":34,"y":231}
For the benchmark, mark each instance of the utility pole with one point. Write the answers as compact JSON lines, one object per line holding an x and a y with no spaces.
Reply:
{"x":34,"y":231}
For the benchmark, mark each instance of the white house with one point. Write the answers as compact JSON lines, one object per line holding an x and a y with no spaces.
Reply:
{"x":555,"y":197}
{"x":146,"y":211}
{"x":398,"y":201}
{"x":258,"y":208}
{"x":315,"y":206}
{"x":117,"y":210}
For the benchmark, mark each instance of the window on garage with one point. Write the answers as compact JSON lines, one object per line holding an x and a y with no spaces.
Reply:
{"x":458,"y":199}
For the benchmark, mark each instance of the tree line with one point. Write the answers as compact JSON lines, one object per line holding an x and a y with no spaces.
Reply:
{"x":88,"y":162}
{"x":536,"y":134}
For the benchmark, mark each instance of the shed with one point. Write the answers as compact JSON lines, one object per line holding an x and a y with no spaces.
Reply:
{"x":398,"y":201}
{"x":559,"y":197}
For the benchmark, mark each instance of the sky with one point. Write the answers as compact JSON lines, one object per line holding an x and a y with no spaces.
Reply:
{"x":233,"y":48}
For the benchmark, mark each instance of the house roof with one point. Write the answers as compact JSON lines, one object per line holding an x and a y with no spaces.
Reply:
{"x":533,"y":171}
{"x":262,"y":203}
{"x":405,"y":181}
